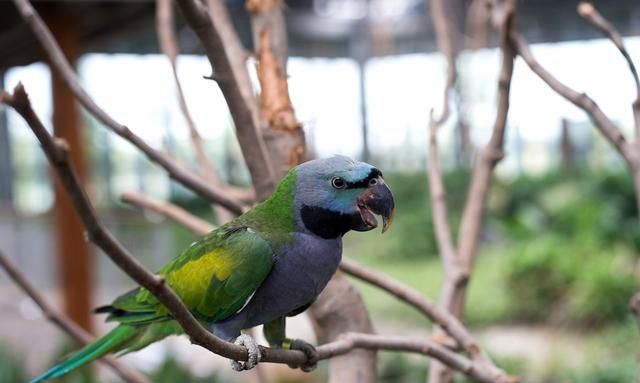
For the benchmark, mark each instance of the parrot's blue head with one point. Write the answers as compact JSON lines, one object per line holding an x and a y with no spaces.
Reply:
{"x":338,"y":194}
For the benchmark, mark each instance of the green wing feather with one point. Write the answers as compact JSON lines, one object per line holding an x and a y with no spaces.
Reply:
{"x":214,"y":277}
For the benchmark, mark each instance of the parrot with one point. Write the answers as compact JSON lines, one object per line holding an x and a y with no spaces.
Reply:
{"x":263,"y":266}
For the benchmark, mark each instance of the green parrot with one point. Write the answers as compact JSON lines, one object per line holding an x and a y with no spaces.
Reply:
{"x":267,"y":264}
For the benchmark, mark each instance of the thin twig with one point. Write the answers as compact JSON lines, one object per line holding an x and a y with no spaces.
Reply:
{"x":56,"y":152}
{"x":444,"y":36}
{"x":591,"y":14}
{"x":80,"y":335}
{"x":169,"y":46}
{"x":197,"y":225}
{"x":61,"y":64}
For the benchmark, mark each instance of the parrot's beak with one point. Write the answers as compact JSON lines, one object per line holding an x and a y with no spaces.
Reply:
{"x":378,"y":200}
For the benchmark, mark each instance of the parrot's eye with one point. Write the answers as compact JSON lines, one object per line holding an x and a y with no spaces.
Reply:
{"x":373,"y":182}
{"x":338,"y":183}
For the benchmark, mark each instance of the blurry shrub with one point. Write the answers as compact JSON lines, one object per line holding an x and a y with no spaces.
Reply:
{"x":172,"y":371}
{"x":601,"y":293}
{"x":539,"y":276}
{"x":624,"y":370}
{"x":11,"y":367}
{"x":566,"y":231}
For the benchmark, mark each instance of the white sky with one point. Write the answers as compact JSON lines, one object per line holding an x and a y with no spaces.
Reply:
{"x":139,"y":92}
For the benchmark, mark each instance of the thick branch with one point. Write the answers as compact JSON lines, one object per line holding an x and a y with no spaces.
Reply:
{"x":64,"y":323}
{"x":228,"y":61}
{"x":60,"y":63}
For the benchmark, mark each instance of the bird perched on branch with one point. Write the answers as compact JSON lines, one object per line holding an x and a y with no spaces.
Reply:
{"x":269,"y":263}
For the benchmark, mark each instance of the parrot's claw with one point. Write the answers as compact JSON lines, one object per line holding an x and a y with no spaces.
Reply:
{"x":253,"y":352}
{"x":309,"y":351}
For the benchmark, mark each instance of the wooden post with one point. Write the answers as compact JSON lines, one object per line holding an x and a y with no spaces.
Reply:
{"x":75,"y":263}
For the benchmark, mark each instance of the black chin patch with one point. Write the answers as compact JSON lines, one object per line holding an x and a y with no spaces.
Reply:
{"x":327,"y":223}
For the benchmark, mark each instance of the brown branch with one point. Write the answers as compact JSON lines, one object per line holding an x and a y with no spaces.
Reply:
{"x":456,"y":281}
{"x":63,"y":322}
{"x":283,"y":132}
{"x":581,"y":100}
{"x":588,"y":11}
{"x":56,"y":152}
{"x":61,"y":64}
{"x":444,"y":35}
{"x":183,"y":217}
{"x":222,"y":46}
{"x":348,"y":341}
{"x":169,"y":46}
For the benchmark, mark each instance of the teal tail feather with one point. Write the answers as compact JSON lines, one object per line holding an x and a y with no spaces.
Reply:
{"x":113,"y":341}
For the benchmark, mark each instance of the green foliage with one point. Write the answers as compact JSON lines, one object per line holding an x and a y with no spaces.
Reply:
{"x":172,"y":370}
{"x":11,"y":367}
{"x":538,"y":277}
{"x":574,"y":241}
{"x":624,"y":370}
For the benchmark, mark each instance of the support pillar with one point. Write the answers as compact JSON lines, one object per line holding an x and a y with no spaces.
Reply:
{"x":75,"y":263}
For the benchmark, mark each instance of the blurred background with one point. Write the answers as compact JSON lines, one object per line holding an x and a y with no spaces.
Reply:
{"x":561,"y":243}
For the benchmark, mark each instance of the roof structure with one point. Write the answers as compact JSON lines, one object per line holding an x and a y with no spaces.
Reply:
{"x":324,"y":28}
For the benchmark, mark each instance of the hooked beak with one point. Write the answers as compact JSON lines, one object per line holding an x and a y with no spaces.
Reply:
{"x":377,"y":200}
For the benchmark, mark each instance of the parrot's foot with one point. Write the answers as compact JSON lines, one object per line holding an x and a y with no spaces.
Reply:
{"x":252,"y":350}
{"x":309,"y":351}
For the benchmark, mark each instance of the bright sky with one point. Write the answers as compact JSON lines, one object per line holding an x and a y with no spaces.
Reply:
{"x":139,"y":91}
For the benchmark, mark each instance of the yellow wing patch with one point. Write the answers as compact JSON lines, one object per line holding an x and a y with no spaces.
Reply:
{"x":191,"y":280}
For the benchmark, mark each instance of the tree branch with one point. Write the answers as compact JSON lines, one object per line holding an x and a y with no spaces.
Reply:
{"x":60,"y":63}
{"x":63,"y":322}
{"x":588,"y":11}
{"x":456,"y":279}
{"x":213,"y":27}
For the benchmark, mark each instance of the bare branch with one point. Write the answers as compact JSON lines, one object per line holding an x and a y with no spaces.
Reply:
{"x":581,"y":100}
{"x":222,"y":46}
{"x":439,"y":204}
{"x":444,"y":35}
{"x":169,"y":46}
{"x":348,"y":341}
{"x":195,"y":224}
{"x":63,"y":322}
{"x":456,"y":280}
{"x":588,"y":11}
{"x":60,"y":63}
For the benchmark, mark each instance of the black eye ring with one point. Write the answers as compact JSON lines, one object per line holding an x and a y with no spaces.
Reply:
{"x":373,"y":182}
{"x":338,"y":183}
